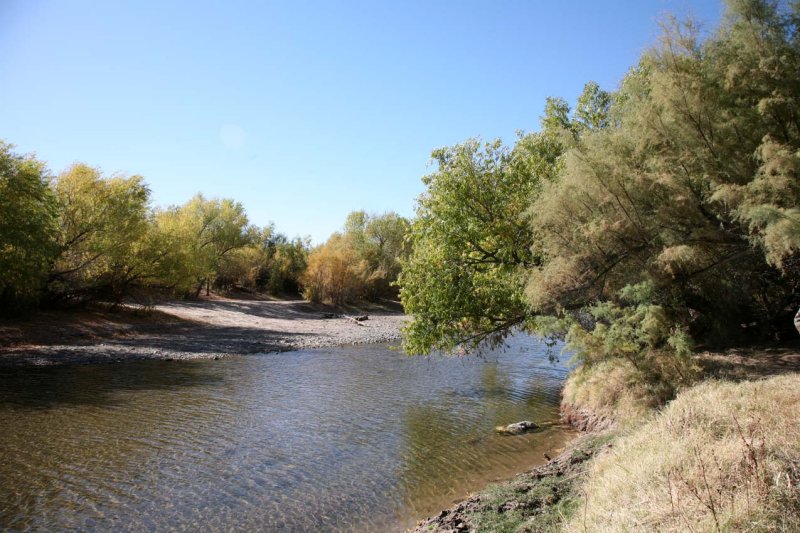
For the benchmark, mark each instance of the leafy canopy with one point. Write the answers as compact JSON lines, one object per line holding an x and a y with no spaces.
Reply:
{"x":472,"y":239}
{"x":28,"y":211}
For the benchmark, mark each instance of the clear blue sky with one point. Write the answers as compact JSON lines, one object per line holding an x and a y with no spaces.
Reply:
{"x":303,"y":111}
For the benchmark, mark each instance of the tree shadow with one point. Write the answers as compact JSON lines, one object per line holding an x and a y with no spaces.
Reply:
{"x":180,"y":342}
{"x":97,"y":385}
{"x":751,"y":362}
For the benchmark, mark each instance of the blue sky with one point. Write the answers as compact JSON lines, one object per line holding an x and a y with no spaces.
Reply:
{"x":303,"y":111}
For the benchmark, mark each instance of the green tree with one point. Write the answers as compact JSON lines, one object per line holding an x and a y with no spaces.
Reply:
{"x":380,"y":241}
{"x":28,"y":211}
{"x":198,"y":237}
{"x":272,"y":263}
{"x":363,"y":262}
{"x":693,"y":190}
{"x":286,"y":262}
{"x":102,"y":226}
{"x":471,"y":242}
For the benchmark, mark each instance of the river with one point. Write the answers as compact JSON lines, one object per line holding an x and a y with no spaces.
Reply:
{"x":358,"y":438}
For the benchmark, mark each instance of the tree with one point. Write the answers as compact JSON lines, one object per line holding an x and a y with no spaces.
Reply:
{"x":471,"y":242}
{"x":28,"y":211}
{"x":272,"y":263}
{"x":361,"y":263}
{"x":197,"y":238}
{"x":380,"y":241}
{"x":102,"y":226}
{"x":693,"y":190}
{"x":335,"y":273}
{"x":285,"y":264}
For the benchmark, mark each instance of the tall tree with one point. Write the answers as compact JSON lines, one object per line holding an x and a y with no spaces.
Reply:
{"x":472,"y":241}
{"x":102,"y":224}
{"x":199,"y":235}
{"x":694,"y":189}
{"x":28,"y":211}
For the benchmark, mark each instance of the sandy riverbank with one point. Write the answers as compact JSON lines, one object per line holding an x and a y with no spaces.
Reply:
{"x":208,"y":328}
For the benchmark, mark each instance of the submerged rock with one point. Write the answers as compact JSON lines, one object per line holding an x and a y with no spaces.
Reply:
{"x":517,"y":428}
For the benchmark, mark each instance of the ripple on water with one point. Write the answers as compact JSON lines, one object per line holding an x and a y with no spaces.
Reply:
{"x":337,"y":439}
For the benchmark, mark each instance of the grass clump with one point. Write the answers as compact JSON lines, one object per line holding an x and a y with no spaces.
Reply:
{"x":720,"y":457}
{"x":512,"y":507}
{"x":611,"y":393}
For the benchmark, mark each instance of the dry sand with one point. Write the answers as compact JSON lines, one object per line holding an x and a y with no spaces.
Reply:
{"x":210,"y":328}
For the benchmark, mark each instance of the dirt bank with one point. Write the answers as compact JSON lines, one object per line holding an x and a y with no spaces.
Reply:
{"x":189,"y":330}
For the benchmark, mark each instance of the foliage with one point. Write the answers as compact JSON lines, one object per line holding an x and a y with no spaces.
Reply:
{"x":463,"y":280}
{"x":612,"y":393}
{"x":693,"y":190}
{"x":272,"y":264}
{"x":380,"y":241}
{"x":286,"y":262}
{"x":472,"y":240}
{"x":335,"y":274}
{"x":641,"y":222}
{"x":197,"y":237}
{"x":28,"y":211}
{"x":102,"y":227}
{"x":84,"y":236}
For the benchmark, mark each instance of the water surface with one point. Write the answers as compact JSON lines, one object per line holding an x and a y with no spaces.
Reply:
{"x":355,"y":438}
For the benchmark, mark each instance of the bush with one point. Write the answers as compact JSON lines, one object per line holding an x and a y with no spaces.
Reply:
{"x":334,"y":273}
{"x":610,"y":394}
{"x":196,"y":239}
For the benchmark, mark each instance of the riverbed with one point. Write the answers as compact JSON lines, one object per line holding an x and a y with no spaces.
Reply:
{"x":355,"y":438}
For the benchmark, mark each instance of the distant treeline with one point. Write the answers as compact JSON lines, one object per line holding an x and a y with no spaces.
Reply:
{"x":81,"y":236}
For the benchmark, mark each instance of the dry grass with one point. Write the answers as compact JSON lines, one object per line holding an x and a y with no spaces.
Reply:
{"x":612,"y":391}
{"x":720,"y":457}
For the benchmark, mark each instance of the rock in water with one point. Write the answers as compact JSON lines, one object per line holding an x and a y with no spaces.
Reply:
{"x":517,"y":428}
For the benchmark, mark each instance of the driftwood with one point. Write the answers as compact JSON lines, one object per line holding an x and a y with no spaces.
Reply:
{"x":357,"y":319}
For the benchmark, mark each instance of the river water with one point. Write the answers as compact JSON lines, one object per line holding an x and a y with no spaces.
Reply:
{"x":357,"y":438}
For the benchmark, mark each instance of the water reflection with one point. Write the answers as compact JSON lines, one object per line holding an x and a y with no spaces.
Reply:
{"x":340,"y":439}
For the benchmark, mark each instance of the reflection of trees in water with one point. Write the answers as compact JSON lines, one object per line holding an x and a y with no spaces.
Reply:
{"x":446,"y":438}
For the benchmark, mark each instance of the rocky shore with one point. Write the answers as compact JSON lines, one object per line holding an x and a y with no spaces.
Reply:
{"x":178,"y":330}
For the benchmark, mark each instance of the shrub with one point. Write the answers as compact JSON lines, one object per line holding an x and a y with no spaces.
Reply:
{"x":335,"y":274}
{"x":612,"y":393}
